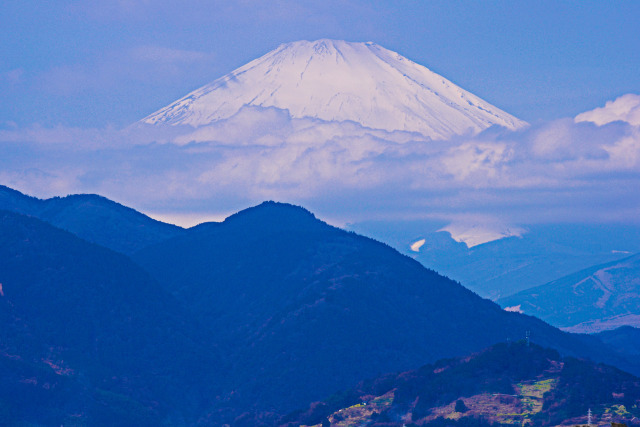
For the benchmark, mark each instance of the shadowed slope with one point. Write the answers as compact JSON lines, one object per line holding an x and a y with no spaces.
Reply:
{"x":304,"y":308}
{"x":508,"y":384}
{"x":93,"y":218}
{"x":113,"y":338}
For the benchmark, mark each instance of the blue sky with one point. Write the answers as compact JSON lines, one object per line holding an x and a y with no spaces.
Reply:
{"x":74,"y":75}
{"x":98,"y":63}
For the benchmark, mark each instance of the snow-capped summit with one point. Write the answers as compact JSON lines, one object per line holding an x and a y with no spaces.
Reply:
{"x":338,"y":81}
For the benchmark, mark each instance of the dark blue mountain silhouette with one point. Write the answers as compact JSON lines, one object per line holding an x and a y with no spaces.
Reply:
{"x":93,"y":218}
{"x":86,"y":331}
{"x":304,"y":308}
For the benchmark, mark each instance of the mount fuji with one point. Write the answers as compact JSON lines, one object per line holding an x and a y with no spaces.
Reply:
{"x":341,"y":81}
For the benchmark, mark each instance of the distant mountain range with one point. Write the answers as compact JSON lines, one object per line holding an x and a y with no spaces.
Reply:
{"x":507,"y":384}
{"x":598,"y":298}
{"x":334,"y":80}
{"x":260,"y":314}
{"x":93,"y":218}
{"x":624,"y":338}
{"x":507,"y":265}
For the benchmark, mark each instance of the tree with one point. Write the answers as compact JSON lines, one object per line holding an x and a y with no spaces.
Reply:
{"x":460,"y":406}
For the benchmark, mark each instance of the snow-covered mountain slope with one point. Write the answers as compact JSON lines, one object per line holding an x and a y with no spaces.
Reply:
{"x":339,"y":81}
{"x":474,"y":234}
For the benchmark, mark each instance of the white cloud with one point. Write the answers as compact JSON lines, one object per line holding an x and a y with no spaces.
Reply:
{"x":560,"y":170}
{"x":625,"y":108}
{"x":625,"y":152}
{"x":478,"y":160}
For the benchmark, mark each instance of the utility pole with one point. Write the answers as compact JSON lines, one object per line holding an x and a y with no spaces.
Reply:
{"x":589,"y":417}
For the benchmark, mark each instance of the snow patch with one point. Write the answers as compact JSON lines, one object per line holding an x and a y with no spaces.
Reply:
{"x":415,"y":246}
{"x":514,"y":309}
{"x":477,"y":234}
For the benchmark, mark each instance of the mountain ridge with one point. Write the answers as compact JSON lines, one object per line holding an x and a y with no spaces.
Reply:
{"x":260,"y":306}
{"x":501,"y":268}
{"x":92,"y":217}
{"x":286,"y":297}
{"x":598,"y":298}
{"x":86,"y":331}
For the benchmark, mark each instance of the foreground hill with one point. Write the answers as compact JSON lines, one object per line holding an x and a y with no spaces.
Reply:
{"x":598,"y":298}
{"x":303,"y":308}
{"x":88,"y":336}
{"x":93,"y":218}
{"x":260,"y":314}
{"x":506,"y":384}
